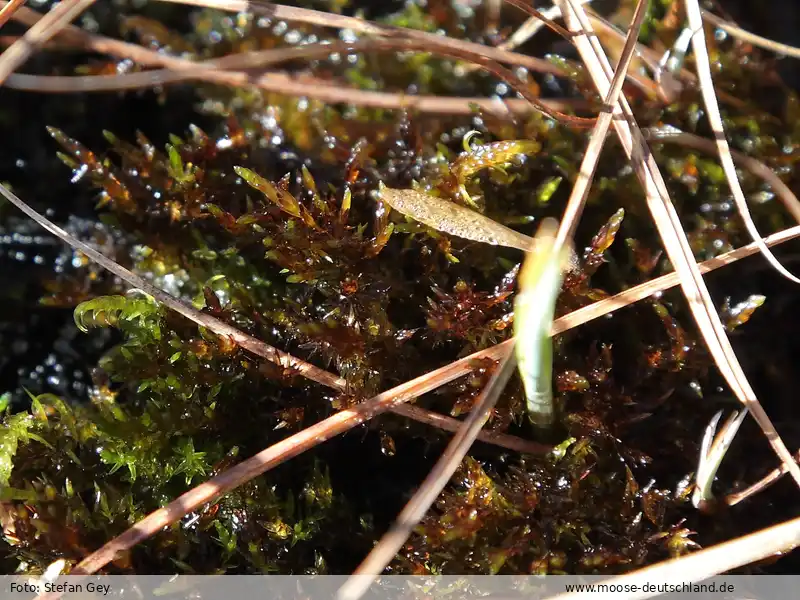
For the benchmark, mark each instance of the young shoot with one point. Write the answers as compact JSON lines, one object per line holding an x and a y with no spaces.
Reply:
{"x":534,"y":307}
{"x":712,"y":451}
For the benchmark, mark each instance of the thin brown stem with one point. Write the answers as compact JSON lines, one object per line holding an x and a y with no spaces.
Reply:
{"x":700,"y":565}
{"x":531,"y":27}
{"x":322,"y":19}
{"x":9,"y":9}
{"x":597,"y":139}
{"x":436,"y":480}
{"x":665,"y":282}
{"x":760,"y":485}
{"x":46,"y":28}
{"x":671,"y":232}
{"x":309,"y":86}
{"x":284,"y":83}
{"x":695,"y":20}
{"x":751,"y":38}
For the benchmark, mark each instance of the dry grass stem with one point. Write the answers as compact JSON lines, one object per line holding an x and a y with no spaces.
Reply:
{"x":756,"y":167}
{"x":597,"y":139}
{"x":322,"y":19}
{"x":49,"y":25}
{"x":759,"y":486}
{"x":751,"y":38}
{"x":671,"y":232}
{"x":670,"y":84}
{"x":531,"y":27}
{"x":715,"y":120}
{"x":309,"y":87}
{"x":7,"y":11}
{"x":702,"y":564}
{"x":301,"y":86}
{"x":643,"y":290}
{"x":436,"y":480}
{"x":440,"y":421}
{"x":362,"y":26}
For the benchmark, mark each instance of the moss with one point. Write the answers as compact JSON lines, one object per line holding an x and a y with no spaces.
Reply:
{"x":269,"y":221}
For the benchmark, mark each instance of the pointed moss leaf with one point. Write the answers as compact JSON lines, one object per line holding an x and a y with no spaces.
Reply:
{"x":258,"y":182}
{"x":547,"y":189}
{"x":740,"y":314}
{"x":110,"y":137}
{"x":602,"y":241}
{"x":311,"y":185}
{"x":175,"y":160}
{"x":261,"y":184}
{"x":215,"y":210}
{"x":346,"y":200}
{"x":68,"y":160}
{"x":285,"y":202}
